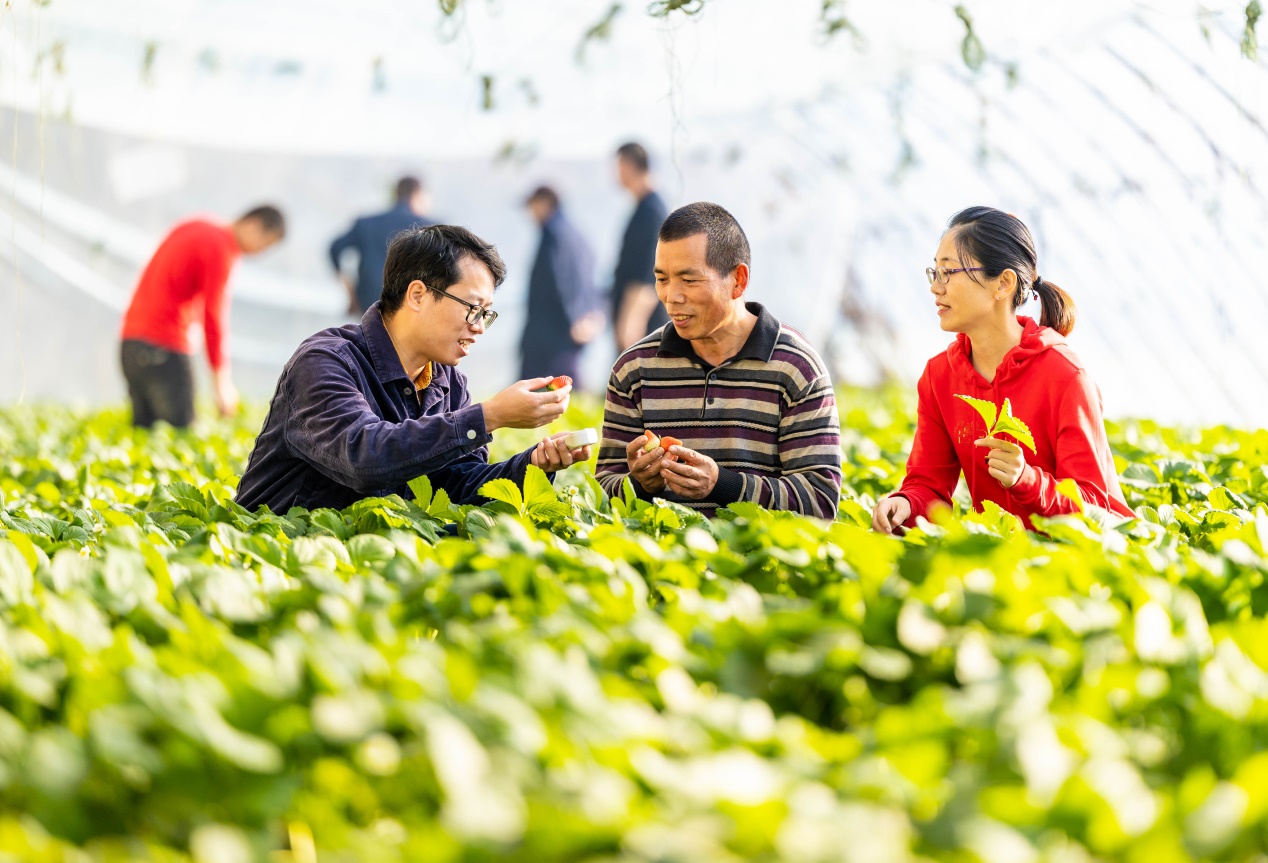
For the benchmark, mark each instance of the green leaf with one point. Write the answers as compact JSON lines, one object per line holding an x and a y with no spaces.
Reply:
{"x":421,"y":487}
{"x":505,"y":491}
{"x":1013,"y":426}
{"x":441,"y":507}
{"x":985,"y":409}
{"x":537,"y":486}
{"x":1068,"y":488}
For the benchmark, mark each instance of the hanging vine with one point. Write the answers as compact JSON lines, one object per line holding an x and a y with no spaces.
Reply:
{"x":1250,"y":43}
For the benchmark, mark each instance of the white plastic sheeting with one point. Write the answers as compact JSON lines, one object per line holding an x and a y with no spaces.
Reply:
{"x":1134,"y":145}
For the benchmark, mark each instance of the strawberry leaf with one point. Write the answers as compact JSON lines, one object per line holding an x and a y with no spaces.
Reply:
{"x":506,"y":491}
{"x":986,"y":409}
{"x":1014,"y":427}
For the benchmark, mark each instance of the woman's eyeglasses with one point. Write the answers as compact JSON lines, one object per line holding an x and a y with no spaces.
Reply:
{"x":474,"y":313}
{"x":943,"y":275}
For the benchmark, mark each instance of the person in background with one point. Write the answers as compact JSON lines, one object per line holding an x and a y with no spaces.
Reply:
{"x":984,"y":270}
{"x":188,"y":276}
{"x":749,"y":399}
{"x":362,"y":409}
{"x":563,"y":314}
{"x":634,"y":308}
{"x":370,"y":235}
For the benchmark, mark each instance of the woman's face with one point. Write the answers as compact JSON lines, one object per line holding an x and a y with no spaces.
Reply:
{"x":962,"y":303}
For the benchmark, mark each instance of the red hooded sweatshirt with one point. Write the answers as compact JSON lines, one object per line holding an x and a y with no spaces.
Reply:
{"x":1051,"y":392}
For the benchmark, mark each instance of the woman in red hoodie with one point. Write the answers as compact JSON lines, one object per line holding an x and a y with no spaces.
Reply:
{"x":984,"y":270}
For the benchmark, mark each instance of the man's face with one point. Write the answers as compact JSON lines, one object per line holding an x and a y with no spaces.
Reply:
{"x":441,"y":329}
{"x":254,"y":238}
{"x":541,"y":210}
{"x":698,"y":299}
{"x":626,"y":174}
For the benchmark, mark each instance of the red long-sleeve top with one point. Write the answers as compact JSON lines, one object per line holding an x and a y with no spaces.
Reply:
{"x":1051,"y":392}
{"x":187,"y":277}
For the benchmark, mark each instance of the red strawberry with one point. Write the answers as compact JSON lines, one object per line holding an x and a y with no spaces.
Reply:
{"x":556,"y":384}
{"x":667,"y":441}
{"x":652,"y":441}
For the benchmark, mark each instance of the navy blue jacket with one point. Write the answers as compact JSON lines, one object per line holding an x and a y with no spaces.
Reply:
{"x":370,"y":236}
{"x":561,"y":286}
{"x":347,"y":422}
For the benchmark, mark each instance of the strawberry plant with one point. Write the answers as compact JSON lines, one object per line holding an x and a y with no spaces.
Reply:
{"x":1000,"y":420}
{"x":563,"y":676}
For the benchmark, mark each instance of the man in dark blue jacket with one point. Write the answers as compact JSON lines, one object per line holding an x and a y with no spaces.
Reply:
{"x":370,"y":235}
{"x":563,"y":302}
{"x":362,"y":409}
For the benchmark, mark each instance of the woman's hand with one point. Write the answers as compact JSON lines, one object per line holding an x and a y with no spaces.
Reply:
{"x":891,"y":513}
{"x":1005,"y":461}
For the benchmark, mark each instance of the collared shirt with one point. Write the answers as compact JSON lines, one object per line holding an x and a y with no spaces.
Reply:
{"x":346,"y":422}
{"x":186,"y":278}
{"x":767,"y":416}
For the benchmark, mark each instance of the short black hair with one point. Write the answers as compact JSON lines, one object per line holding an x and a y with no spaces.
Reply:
{"x":544,"y":193}
{"x":728,"y":246}
{"x":407,"y":187}
{"x":636,"y":154}
{"x":269,"y":217}
{"x":433,"y":254}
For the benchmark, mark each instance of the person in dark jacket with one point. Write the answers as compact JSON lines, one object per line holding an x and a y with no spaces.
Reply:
{"x":369,"y":237}
{"x":635,"y":310}
{"x":361,"y":410}
{"x":563,"y":313}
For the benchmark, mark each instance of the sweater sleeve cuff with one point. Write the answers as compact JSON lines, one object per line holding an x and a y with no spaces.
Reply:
{"x":728,"y":488}
{"x":1026,"y":489}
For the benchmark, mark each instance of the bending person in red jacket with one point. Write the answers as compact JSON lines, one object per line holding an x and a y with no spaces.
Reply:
{"x":984,"y":270}
{"x":186,"y":279}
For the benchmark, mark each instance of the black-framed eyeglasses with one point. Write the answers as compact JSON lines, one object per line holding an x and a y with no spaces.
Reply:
{"x":943,"y":275}
{"x":474,"y":312}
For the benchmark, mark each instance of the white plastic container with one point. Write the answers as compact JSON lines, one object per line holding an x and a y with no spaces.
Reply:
{"x":582,"y":437}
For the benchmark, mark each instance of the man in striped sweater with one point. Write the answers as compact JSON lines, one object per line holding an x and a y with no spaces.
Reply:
{"x":748,"y":397}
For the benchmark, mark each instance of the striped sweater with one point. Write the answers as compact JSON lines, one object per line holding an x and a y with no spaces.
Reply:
{"x":767,"y":416}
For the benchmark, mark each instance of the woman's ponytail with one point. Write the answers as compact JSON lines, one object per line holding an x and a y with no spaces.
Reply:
{"x":1059,"y":311}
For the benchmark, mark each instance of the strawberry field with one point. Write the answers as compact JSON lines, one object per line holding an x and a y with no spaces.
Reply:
{"x":561,"y":677}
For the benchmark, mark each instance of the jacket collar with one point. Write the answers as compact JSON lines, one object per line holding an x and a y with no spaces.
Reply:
{"x":387,"y":363}
{"x":760,"y":344}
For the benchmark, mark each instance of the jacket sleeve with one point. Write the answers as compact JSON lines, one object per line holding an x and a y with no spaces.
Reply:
{"x":462,"y":479}
{"x":332,"y":427}
{"x":933,"y":467}
{"x":341,"y":244}
{"x":1082,"y":454}
{"x":573,"y":270}
{"x":809,"y":455}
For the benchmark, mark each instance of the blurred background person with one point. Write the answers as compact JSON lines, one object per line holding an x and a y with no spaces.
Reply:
{"x":563,"y":301}
{"x":370,"y":235}
{"x":635,"y":309}
{"x":188,"y":275}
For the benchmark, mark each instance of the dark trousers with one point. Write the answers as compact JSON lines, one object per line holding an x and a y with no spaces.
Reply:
{"x":541,"y":362}
{"x":160,"y":384}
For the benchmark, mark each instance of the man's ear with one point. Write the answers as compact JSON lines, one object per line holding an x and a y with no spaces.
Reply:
{"x":741,"y":281}
{"x":414,"y":293}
